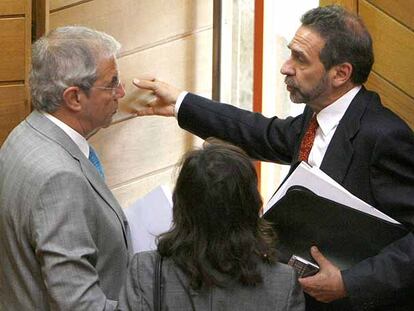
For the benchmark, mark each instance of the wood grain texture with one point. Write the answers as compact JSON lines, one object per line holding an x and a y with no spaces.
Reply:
{"x":12,"y":49}
{"x":12,"y":7}
{"x":127,"y":194}
{"x":136,"y":148}
{"x":139,"y":146}
{"x":186,"y":63}
{"x":41,"y":17}
{"x":393,"y":47}
{"x":397,"y":101}
{"x":401,"y":10}
{"x":61,"y":4}
{"x":13,"y":108}
{"x":351,"y":5}
{"x":140,"y":23}
{"x":28,"y":52}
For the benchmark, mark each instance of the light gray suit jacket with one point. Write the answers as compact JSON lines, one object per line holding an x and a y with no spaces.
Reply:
{"x":279,"y":290}
{"x":64,"y":238}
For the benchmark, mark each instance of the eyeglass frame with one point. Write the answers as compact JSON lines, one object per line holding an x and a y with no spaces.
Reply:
{"x":114,"y":89}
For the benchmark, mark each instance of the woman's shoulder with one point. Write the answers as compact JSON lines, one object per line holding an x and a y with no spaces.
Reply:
{"x":145,"y":261}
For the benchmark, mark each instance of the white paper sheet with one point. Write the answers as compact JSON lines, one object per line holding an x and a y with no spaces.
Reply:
{"x":148,"y":217}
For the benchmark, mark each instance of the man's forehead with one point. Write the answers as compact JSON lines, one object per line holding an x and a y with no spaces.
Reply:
{"x":307,"y":41}
{"x":107,"y":67}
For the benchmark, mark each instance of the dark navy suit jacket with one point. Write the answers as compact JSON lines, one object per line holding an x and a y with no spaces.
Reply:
{"x":371,"y":154}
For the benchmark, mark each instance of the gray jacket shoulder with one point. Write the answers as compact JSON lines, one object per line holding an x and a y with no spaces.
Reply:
{"x":279,"y":290}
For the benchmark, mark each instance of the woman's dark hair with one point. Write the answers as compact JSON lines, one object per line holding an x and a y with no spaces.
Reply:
{"x":216,"y":222}
{"x":347,"y":39}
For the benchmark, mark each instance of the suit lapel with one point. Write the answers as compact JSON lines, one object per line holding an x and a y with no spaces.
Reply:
{"x":43,"y":125}
{"x":339,"y":154}
{"x":102,"y":189}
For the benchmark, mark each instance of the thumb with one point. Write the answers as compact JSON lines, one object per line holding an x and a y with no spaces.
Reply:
{"x":319,"y":257}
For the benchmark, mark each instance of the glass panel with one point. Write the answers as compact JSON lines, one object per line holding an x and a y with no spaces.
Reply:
{"x":281,"y":20}
{"x":237,"y":53}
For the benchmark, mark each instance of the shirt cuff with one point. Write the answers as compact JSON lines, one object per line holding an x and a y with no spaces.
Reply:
{"x":179,"y":101}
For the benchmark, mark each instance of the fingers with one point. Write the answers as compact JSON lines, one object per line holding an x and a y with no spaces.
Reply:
{"x":145,"y":112}
{"x":319,"y":257}
{"x":307,"y":282}
{"x":144,"y":84}
{"x":327,"y":285}
{"x":166,"y":111}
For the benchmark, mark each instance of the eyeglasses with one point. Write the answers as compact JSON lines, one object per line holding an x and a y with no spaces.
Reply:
{"x":114,"y":89}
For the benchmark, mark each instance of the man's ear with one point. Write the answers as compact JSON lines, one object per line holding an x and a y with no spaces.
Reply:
{"x":72,"y":98}
{"x":341,"y":74}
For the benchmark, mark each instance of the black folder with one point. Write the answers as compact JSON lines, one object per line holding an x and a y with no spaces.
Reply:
{"x":343,"y":234}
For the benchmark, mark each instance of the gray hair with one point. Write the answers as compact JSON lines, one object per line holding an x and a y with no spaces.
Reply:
{"x":67,"y":56}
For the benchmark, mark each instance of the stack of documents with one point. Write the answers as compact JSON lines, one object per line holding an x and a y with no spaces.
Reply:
{"x":310,"y":208}
{"x":321,"y":184}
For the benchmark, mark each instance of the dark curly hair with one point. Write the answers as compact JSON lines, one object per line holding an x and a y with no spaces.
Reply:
{"x":347,"y":39}
{"x":216,"y":222}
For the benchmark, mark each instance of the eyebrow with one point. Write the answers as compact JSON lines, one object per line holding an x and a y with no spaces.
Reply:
{"x":296,"y":52}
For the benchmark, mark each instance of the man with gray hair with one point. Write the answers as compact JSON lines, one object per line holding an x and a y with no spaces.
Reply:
{"x":64,"y":238}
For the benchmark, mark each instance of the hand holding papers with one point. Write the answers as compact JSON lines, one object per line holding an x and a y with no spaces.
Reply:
{"x":148,"y":217}
{"x":345,"y":229}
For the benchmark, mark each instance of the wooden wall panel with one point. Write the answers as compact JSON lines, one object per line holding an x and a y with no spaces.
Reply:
{"x":136,"y":148}
{"x":13,"y":107}
{"x":391,"y":26}
{"x":181,"y":65}
{"x":60,"y":4}
{"x":12,"y":7}
{"x":351,"y":5}
{"x":15,"y":45}
{"x":401,"y":10}
{"x":12,"y":49}
{"x":128,"y":193}
{"x":40,"y":16}
{"x":171,"y":40}
{"x":393,"y":98}
{"x":139,"y":24}
{"x":393,"y":47}
{"x":133,"y":149}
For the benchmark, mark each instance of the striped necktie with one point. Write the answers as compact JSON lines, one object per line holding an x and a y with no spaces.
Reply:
{"x":308,"y":138}
{"x":93,"y":157}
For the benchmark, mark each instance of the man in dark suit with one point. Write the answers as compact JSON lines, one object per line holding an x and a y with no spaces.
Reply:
{"x":357,"y":141}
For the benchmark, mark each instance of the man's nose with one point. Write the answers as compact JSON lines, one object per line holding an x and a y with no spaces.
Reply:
{"x":287,"y":68}
{"x":121,"y":90}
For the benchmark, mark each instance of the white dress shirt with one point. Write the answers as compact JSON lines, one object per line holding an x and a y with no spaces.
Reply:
{"x":78,"y":139}
{"x":328,"y":120}
{"x":179,"y":101}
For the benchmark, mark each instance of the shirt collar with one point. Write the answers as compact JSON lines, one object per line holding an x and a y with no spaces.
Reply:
{"x":329,"y":117}
{"x":79,"y":140}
